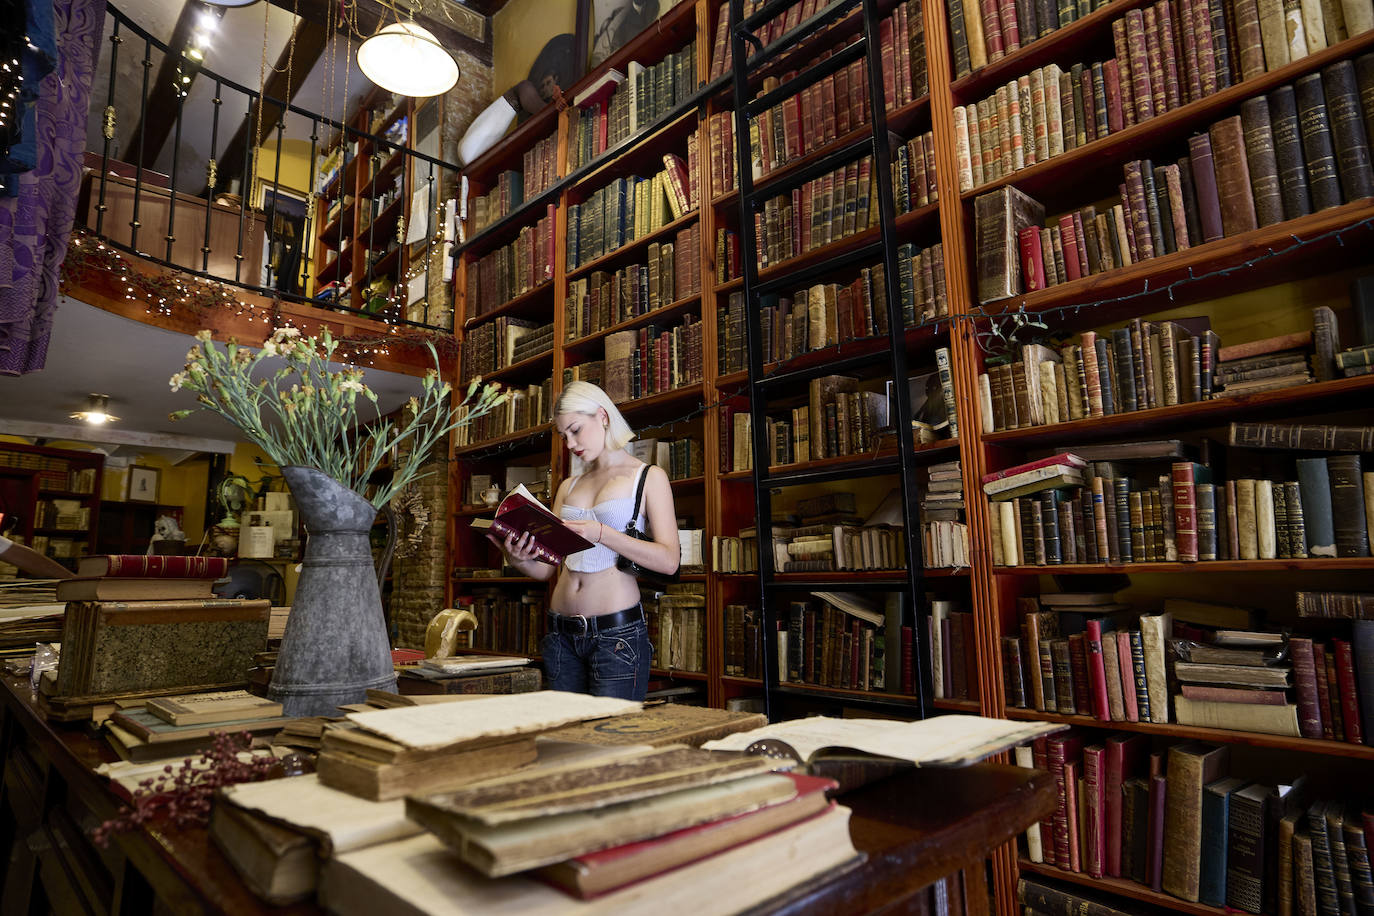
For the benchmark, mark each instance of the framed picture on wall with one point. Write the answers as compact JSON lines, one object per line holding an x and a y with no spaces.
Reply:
{"x":615,"y":22}
{"x":283,"y":246}
{"x":142,"y":484}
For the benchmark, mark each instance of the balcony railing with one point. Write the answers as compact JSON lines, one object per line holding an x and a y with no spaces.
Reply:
{"x":340,"y":246}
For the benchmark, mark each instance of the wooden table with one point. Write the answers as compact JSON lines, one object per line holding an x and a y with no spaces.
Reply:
{"x":914,"y":829}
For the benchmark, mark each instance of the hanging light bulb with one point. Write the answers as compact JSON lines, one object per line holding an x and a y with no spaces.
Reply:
{"x":97,"y":411}
{"x":407,"y":59}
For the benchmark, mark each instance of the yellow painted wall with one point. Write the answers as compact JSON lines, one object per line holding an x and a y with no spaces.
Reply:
{"x":295,"y":164}
{"x":518,"y":33}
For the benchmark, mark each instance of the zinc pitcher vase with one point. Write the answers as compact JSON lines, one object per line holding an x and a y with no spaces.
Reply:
{"x":335,"y":645}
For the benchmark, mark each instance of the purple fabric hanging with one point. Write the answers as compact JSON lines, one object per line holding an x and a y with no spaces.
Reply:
{"x":36,"y":224}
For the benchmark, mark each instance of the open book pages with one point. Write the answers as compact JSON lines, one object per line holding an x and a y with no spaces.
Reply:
{"x":342,"y":822}
{"x":941,"y":741}
{"x":442,"y":724}
{"x":520,"y":513}
{"x":857,"y":605}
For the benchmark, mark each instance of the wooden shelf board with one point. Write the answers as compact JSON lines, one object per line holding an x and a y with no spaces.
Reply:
{"x":679,"y":396}
{"x":1198,"y":733}
{"x":844,"y":693}
{"x":739,"y":681}
{"x":595,"y":171}
{"x":1309,"y":564}
{"x":524,"y":367}
{"x":528,"y":212}
{"x":1123,"y":888}
{"x":885,"y":456}
{"x":633,"y":246}
{"x":955,"y":705}
{"x":1197,"y":414}
{"x":669,"y":311}
{"x":518,"y":305}
{"x":816,"y":255}
{"x":678,"y":675}
{"x":533,"y":433}
{"x":729,"y":286}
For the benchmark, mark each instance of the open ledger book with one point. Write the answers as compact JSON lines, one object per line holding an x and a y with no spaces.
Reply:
{"x":520,"y":513}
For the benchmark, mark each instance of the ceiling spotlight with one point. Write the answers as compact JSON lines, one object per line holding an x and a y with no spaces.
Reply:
{"x":96,"y":411}
{"x":407,"y":59}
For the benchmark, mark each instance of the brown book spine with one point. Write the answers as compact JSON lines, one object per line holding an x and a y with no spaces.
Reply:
{"x":1141,"y":87}
{"x":1288,"y":156}
{"x":1323,"y":180}
{"x":1348,"y":131}
{"x":1168,"y":54}
{"x":1123,"y":67}
{"x":1140,"y":217}
{"x":1350,"y":699}
{"x":1173,"y":186}
{"x":1233,"y":176}
{"x":1260,"y":155}
{"x":1305,"y":687}
{"x":1155,"y":56}
{"x":1201,"y":23}
{"x":1190,"y":767}
{"x":1190,"y":82}
{"x":1347,"y":505}
{"x":1249,"y":41}
{"x":1335,"y":711}
{"x":1323,"y":691}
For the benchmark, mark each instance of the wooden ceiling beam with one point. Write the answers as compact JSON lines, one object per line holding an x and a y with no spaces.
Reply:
{"x":371,"y":15}
{"x":163,"y":103}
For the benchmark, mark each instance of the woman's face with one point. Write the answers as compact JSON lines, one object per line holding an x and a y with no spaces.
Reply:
{"x":583,"y":434}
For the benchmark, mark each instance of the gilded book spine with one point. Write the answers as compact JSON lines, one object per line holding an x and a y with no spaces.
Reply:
{"x":1322,"y":176}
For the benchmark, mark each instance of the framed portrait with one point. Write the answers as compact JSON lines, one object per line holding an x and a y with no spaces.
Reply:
{"x":283,"y":245}
{"x":615,"y":22}
{"x":143,"y":483}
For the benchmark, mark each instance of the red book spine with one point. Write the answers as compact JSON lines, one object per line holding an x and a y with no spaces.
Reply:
{"x":1060,"y":752}
{"x":855,"y":641}
{"x":1112,"y":84}
{"x":1333,"y":697}
{"x":1073,"y":769}
{"x":1080,"y":244}
{"x":1068,"y":233}
{"x":908,"y":679}
{"x":1323,"y":691}
{"x":1011,"y":30}
{"x":1097,"y":671}
{"x":1155,"y":849}
{"x":1185,"y":511}
{"x":1032,"y":258}
{"x":1350,"y":698}
{"x":1141,"y":84}
{"x":1123,"y":654}
{"x":1305,"y":686}
{"x":992,"y":29}
{"x":164,"y":567}
{"x":1040,"y":757}
{"x":1094,"y":846}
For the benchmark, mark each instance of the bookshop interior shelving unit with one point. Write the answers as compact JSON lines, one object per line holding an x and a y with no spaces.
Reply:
{"x":55,"y":494}
{"x":1249,"y":283}
{"x":364,"y":191}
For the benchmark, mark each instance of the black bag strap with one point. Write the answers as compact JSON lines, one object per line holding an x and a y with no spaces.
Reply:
{"x":639,"y":492}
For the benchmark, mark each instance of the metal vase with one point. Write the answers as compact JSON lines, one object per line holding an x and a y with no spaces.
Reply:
{"x":335,"y":646}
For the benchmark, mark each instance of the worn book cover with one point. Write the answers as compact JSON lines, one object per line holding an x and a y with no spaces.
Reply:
{"x":670,"y":723}
{"x":520,"y":513}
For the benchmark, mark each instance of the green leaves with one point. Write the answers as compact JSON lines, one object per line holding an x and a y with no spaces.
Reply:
{"x":313,"y":421}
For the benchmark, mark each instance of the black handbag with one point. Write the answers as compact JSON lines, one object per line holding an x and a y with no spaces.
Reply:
{"x":624,"y":563}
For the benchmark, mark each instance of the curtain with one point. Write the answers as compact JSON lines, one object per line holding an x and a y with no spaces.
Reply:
{"x":36,"y":222}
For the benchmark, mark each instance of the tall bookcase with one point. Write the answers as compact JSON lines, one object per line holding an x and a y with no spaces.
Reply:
{"x":55,"y":495}
{"x":1251,"y":284}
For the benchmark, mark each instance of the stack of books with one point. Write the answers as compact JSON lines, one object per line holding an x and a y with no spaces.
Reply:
{"x":945,"y":538}
{"x":139,"y":626}
{"x":1237,"y":680}
{"x":471,"y":674}
{"x":177,"y":726}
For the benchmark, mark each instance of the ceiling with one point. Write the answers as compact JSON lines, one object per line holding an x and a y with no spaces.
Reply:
{"x":95,"y":351}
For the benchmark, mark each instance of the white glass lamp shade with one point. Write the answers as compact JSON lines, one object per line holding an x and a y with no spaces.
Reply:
{"x":231,"y":3}
{"x":407,"y":59}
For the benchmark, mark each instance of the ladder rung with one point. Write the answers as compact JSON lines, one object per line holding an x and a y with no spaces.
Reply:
{"x":822,"y":166}
{"x":865,"y":468}
{"x":832,"y":13}
{"x":808,"y":77}
{"x":801,"y":376}
{"x":828,"y":266}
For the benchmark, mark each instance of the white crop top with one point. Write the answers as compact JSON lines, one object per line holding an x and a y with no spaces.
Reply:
{"x":614,"y":514}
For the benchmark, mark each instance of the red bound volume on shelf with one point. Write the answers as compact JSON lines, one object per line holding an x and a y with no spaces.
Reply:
{"x":153,"y":567}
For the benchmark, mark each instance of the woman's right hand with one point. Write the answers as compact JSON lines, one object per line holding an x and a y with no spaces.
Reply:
{"x":520,"y":549}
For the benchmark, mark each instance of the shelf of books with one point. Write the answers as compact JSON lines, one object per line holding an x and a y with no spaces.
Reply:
{"x":1133,"y":242}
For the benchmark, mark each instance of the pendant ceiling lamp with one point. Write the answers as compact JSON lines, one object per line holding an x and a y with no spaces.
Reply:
{"x":230,"y":3}
{"x":407,"y":59}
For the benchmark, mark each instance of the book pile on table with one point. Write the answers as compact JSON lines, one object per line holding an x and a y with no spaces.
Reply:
{"x":470,"y":674}
{"x":138,"y":626}
{"x":179,"y":726}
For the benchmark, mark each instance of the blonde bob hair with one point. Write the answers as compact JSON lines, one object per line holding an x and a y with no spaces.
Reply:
{"x":586,"y":398}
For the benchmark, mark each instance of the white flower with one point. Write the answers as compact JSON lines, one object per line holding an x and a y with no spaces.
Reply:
{"x":281,"y":334}
{"x":178,"y":380}
{"x":269,"y":347}
{"x":352,"y":384}
{"x":203,"y":335}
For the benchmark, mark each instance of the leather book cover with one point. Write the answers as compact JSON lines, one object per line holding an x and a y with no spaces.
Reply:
{"x":1205,"y":183}
{"x":1348,"y":689}
{"x":1314,"y":485}
{"x":1126,"y":664}
{"x":1260,"y":154}
{"x":1288,"y":153}
{"x":1245,"y":845}
{"x":1216,"y":799}
{"x":1064,"y":753}
{"x":1323,"y":867}
{"x":1155,"y":845}
{"x":1170,"y":51}
{"x":1324,"y":663}
{"x":1157,"y":190}
{"x":1191,"y":766}
{"x":1357,"y":851}
{"x":1314,"y":122}
{"x":1092,"y":841}
{"x":1340,"y":862}
{"x":1135,"y":829}
{"x":1305,"y":686}
{"x":1233,"y":176}
{"x":1347,"y":503}
{"x":1142,"y":91}
{"x":1362,"y":642}
{"x":1352,"y":146}
{"x":1188,"y":193}
{"x":1144,"y":246}
{"x":1172,"y":188}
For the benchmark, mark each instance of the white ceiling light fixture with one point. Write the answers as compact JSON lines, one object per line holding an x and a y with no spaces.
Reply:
{"x":407,"y":59}
{"x":96,"y":411}
{"x":232,"y":4}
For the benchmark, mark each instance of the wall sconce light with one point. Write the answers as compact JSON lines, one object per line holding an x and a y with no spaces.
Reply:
{"x":96,"y":411}
{"x":407,"y":59}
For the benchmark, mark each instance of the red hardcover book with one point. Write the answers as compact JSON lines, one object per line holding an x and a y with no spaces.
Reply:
{"x":590,"y":875}
{"x":908,"y":679}
{"x":1067,"y":234}
{"x":153,"y":567}
{"x":1333,"y":696}
{"x":1080,"y":244}
{"x":992,"y":29}
{"x":1125,"y":759}
{"x":1097,"y":670}
{"x":1073,"y":770}
{"x":1060,"y":750}
{"x":1040,"y":757}
{"x":1078,"y":666}
{"x":1011,"y":30}
{"x":1350,"y":698}
{"x":1094,"y":847}
{"x":520,"y":512}
{"x":828,"y":95}
{"x":1185,"y":509}
{"x":1111,"y":83}
{"x":1065,"y":458}
{"x":1142,"y":82}
{"x":1305,"y":686}
{"x":1323,"y":692}
{"x":1032,"y":258}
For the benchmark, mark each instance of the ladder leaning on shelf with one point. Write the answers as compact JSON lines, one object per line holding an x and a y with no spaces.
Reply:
{"x":747,"y":67}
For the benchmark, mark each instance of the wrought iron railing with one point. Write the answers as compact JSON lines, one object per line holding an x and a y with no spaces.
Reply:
{"x":127,"y":204}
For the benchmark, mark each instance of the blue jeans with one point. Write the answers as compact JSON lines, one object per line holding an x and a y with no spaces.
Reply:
{"x":609,"y":663}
